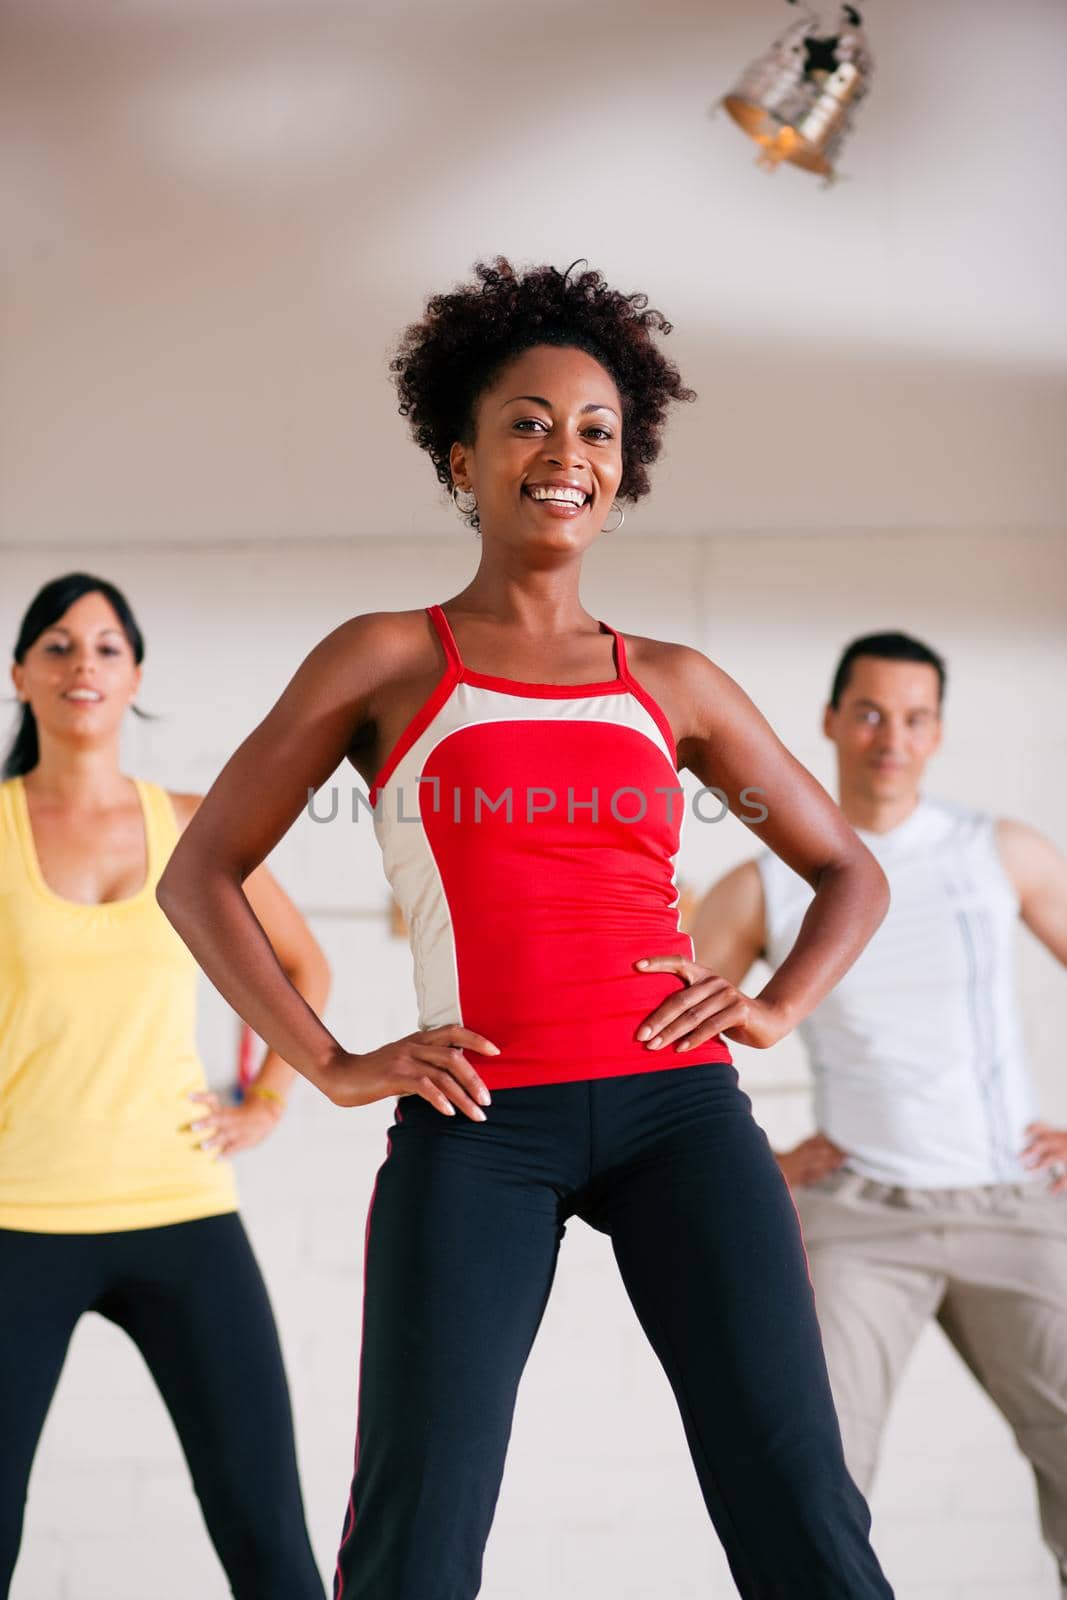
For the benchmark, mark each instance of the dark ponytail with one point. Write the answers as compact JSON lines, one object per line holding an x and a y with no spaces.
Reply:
{"x":47,"y":606}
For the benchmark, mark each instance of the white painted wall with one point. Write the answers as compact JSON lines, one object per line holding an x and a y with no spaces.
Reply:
{"x":599,"y":1501}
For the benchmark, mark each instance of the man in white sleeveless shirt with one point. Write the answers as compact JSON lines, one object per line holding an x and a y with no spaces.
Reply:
{"x":931,"y":1188}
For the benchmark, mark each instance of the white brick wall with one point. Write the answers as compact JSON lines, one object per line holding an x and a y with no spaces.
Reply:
{"x":599,"y":1501}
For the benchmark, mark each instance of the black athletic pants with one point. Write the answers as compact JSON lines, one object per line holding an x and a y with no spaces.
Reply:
{"x":464,"y":1227}
{"x":192,"y":1299}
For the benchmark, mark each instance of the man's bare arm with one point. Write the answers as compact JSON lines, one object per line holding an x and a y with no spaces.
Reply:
{"x":1039,"y":873}
{"x":727,"y":930}
{"x":729,"y":934}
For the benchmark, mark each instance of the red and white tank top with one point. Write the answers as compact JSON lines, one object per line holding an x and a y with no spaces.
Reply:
{"x":529,"y":832}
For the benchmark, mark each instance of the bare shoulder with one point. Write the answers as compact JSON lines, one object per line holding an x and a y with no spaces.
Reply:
{"x":348,"y":664}
{"x":688,"y":668}
{"x":662,"y":653}
{"x":396,"y":630}
{"x":1012,"y":834}
{"x":1028,"y":856}
{"x":701,"y":700}
{"x":1037,"y":870}
{"x":339,"y":685}
{"x":380,"y":640}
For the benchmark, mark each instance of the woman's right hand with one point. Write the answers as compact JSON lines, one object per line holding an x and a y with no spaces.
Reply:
{"x":429,"y":1063}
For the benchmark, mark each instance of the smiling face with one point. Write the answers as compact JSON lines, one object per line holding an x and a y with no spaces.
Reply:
{"x":545,"y":462}
{"x":885,"y":729}
{"x":79,"y":675}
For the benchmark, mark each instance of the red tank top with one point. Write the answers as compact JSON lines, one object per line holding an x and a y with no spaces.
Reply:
{"x":529,"y":832}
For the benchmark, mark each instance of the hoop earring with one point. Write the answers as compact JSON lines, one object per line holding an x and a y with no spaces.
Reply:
{"x":467,"y":510}
{"x":615,"y":506}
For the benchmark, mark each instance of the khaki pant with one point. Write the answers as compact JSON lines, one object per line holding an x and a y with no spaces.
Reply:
{"x":990,"y":1264}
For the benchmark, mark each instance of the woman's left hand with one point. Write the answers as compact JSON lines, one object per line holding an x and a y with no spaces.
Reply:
{"x":229,"y":1128}
{"x":707,"y":1006}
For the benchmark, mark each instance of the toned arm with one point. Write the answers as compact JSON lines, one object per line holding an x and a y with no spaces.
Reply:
{"x":230,"y":1128}
{"x":251,"y":805}
{"x":294,"y":944}
{"x":731,"y":746}
{"x":725,"y":741}
{"x":326,"y":712}
{"x":1039,"y":873}
{"x":727,"y":929}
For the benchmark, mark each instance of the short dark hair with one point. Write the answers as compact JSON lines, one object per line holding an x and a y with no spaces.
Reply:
{"x":887,"y":647}
{"x":445,"y":362}
{"x":46,"y":607}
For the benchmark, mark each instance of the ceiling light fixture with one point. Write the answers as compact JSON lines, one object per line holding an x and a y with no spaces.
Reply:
{"x":797,"y":99}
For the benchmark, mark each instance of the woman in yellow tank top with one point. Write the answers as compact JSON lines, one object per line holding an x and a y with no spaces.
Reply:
{"x":114,"y":1196}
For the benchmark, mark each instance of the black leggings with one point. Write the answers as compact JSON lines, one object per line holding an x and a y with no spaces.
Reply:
{"x":464,"y":1228}
{"x":191,"y":1297}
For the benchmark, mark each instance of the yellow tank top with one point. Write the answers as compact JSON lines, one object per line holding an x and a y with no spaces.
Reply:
{"x":97,"y":1049}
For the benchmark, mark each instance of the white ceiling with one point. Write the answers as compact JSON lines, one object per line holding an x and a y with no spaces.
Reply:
{"x":216,"y":216}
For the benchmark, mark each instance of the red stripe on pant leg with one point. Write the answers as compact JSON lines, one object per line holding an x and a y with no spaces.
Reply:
{"x":350,"y":1518}
{"x":800,"y":1225}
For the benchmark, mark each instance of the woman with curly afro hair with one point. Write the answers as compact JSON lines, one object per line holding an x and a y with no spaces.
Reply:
{"x":522,"y":760}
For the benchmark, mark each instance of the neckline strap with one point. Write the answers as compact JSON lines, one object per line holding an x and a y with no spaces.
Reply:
{"x":446,"y":636}
{"x":622,"y":670}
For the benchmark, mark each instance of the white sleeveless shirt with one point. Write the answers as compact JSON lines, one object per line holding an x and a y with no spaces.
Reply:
{"x":917,"y":1055}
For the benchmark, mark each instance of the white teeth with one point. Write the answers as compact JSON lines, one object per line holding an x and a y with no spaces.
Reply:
{"x":574,"y":497}
{"x":82,"y":694}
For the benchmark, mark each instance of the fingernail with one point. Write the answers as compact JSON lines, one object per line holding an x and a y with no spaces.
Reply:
{"x":479,"y":1116}
{"x":495,"y":1048}
{"x":483,"y":1097}
{"x":642,"y":963}
{"x":655,"y":1044}
{"x":683,"y":1047}
{"x":643,"y":1033}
